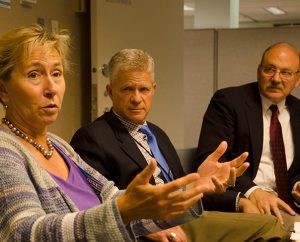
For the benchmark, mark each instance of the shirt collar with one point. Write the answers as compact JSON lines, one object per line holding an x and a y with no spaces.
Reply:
{"x":130,"y":126}
{"x":266,"y":103}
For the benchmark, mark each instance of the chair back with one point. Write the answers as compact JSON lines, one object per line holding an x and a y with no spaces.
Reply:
{"x":187,"y":158}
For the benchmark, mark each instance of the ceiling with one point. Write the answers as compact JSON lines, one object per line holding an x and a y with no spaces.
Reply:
{"x":253,"y":11}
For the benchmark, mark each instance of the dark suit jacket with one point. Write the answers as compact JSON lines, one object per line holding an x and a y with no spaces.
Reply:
{"x":107,"y":146}
{"x":235,"y":115}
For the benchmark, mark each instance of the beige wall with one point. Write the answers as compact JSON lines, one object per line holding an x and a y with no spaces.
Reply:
{"x":199,"y":80}
{"x":61,"y":10}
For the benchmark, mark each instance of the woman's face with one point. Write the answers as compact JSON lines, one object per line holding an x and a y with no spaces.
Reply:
{"x":35,"y":91}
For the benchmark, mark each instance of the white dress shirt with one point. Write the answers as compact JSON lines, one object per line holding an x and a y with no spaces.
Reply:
{"x":265,"y":177}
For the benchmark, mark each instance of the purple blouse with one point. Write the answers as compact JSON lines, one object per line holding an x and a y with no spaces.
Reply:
{"x":76,"y":185}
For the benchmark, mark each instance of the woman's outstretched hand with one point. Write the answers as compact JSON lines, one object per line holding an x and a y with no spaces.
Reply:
{"x":143,"y":200}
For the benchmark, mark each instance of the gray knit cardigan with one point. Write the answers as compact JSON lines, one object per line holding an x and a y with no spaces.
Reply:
{"x":34,"y":208}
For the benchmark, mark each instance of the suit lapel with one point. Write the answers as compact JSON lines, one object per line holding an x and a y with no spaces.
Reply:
{"x":254,"y":117}
{"x":170,"y":159}
{"x":294,"y":110}
{"x":126,"y":142}
{"x":168,"y":152}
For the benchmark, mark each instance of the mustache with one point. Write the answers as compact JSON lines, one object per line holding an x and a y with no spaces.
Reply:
{"x":275,"y":86}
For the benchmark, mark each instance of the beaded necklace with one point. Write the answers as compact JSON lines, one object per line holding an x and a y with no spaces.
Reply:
{"x":47,"y":154}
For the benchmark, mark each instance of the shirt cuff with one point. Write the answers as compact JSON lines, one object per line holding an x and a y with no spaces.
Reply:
{"x":295,"y":202}
{"x":248,"y":193}
{"x":294,"y":187}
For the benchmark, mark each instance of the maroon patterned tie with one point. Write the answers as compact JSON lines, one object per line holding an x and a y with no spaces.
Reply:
{"x":278,"y":155}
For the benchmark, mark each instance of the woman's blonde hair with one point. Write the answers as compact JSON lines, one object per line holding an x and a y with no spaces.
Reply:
{"x":19,"y":42}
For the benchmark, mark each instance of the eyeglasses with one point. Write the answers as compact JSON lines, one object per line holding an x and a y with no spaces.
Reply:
{"x":284,"y":74}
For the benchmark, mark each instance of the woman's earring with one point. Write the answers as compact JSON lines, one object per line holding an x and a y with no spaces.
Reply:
{"x":5,"y":106}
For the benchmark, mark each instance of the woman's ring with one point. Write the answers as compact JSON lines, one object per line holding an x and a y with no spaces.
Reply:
{"x":172,"y":235}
